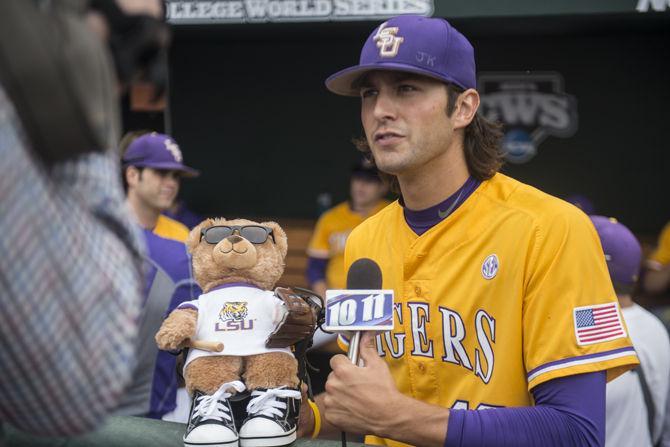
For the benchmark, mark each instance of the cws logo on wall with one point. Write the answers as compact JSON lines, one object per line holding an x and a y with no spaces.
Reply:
{"x":531,"y":107}
{"x":250,"y":11}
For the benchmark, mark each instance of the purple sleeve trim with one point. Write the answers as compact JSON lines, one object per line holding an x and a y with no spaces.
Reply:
{"x":455,"y":429}
{"x":568,"y":411}
{"x":316,"y":269}
{"x":606,"y":355}
{"x":187,"y":306}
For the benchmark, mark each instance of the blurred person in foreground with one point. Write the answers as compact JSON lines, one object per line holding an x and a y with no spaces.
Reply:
{"x":636,"y":400}
{"x":70,"y":271}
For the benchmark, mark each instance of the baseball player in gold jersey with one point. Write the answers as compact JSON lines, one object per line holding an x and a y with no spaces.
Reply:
{"x":325,"y":268}
{"x":657,"y":278}
{"x":503,"y":299}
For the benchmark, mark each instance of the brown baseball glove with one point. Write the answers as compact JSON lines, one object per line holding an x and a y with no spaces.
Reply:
{"x":298,"y":319}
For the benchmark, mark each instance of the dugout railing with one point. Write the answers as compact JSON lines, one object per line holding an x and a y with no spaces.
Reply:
{"x":127,"y":431}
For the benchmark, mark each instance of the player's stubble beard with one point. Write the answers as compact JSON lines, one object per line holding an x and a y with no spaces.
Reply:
{"x":409,"y":159}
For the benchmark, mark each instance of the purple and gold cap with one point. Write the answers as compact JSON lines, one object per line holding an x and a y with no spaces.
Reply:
{"x":414,"y":44}
{"x":157,"y":151}
{"x":622,"y":250}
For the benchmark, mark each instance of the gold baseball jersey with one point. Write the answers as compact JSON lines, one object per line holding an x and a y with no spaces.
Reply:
{"x":330,"y":237}
{"x":170,"y":229}
{"x":662,"y":252}
{"x":509,"y":291}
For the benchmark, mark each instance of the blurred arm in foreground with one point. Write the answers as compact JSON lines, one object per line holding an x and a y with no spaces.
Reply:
{"x":70,"y":270}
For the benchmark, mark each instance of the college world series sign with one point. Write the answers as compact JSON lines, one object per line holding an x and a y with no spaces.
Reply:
{"x":532,"y":106}
{"x":251,"y":11}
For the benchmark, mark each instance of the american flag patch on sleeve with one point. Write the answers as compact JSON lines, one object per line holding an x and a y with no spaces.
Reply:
{"x":599,"y":323}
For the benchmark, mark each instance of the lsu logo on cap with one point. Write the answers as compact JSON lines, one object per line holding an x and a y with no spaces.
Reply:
{"x":387,"y":41}
{"x":173,"y":148}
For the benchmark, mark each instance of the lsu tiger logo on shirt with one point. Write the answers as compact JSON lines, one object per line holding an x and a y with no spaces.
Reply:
{"x":233,"y":316}
{"x":239,"y":315}
{"x":234,"y":310}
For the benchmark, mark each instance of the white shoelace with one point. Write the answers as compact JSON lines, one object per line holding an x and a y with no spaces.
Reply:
{"x":265,"y":403}
{"x":209,"y":407}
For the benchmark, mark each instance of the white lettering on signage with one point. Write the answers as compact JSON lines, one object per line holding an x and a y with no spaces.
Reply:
{"x":528,"y":108}
{"x":656,"y":5}
{"x":239,"y":11}
{"x":206,"y":10}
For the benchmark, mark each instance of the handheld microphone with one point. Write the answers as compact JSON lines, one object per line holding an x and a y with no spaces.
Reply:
{"x":363,"y":306}
{"x":363,"y":274}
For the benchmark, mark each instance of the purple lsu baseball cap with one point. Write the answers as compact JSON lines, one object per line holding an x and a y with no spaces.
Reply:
{"x":157,"y":151}
{"x":414,"y":44}
{"x":622,"y":250}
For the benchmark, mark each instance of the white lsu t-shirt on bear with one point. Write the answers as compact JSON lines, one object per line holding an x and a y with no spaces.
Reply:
{"x":239,"y":315}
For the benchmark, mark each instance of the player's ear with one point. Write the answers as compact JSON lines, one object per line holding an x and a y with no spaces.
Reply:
{"x":466,"y":108}
{"x":131,"y":175}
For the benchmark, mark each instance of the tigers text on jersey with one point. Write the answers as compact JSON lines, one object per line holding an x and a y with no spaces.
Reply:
{"x":495,"y":299}
{"x":239,"y":315}
{"x":330,"y":237}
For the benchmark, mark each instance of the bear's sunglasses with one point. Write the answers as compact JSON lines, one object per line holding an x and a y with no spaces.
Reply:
{"x":255,"y":234}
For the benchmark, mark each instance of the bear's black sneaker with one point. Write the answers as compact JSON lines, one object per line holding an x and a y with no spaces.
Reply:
{"x":272,"y":418}
{"x":211,"y":422}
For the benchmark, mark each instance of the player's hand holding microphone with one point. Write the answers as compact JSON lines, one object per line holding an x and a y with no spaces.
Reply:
{"x":360,"y":391}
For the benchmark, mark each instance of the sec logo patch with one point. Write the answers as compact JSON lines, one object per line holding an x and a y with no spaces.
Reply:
{"x":490,"y":267}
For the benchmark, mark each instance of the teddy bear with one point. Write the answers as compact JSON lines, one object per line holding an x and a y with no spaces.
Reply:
{"x":237,"y":263}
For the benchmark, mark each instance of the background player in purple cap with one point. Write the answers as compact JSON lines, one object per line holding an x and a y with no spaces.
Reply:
{"x":152,"y":170}
{"x":153,"y":167}
{"x":499,"y":287}
{"x":636,"y":400}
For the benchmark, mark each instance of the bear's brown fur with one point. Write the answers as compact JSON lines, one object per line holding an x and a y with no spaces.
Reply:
{"x":232,"y":260}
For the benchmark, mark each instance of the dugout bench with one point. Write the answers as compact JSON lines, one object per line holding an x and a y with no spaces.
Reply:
{"x":299,"y":232}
